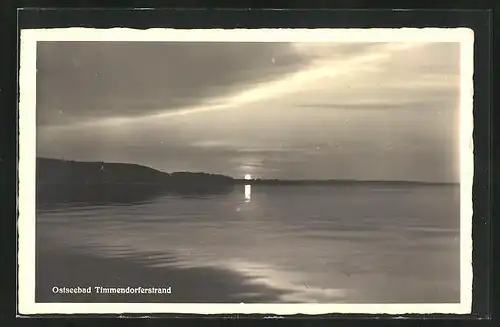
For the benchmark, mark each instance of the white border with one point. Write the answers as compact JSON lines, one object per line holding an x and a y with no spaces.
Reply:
{"x":27,"y":160}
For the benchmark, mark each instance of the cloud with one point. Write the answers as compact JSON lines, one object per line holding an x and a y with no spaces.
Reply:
{"x":407,"y":105}
{"x":313,"y":64}
{"x":82,"y":80}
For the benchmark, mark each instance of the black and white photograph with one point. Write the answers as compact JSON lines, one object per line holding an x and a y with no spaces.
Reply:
{"x":274,"y":171}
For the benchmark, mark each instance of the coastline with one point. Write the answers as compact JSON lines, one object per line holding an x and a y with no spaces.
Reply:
{"x":67,"y":269}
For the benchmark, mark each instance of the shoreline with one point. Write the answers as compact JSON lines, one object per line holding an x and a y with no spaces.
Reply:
{"x":67,"y":269}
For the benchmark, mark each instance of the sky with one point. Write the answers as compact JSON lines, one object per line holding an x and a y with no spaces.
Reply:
{"x":365,"y":111}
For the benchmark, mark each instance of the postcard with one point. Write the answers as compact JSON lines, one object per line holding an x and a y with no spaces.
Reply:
{"x":267,"y":171}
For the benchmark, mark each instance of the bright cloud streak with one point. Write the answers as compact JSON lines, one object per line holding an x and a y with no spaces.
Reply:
{"x":321,"y":67}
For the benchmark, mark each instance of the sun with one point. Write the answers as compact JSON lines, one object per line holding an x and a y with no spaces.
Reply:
{"x":248,"y":177}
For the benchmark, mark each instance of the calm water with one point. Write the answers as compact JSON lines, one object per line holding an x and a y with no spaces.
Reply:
{"x":314,"y":243}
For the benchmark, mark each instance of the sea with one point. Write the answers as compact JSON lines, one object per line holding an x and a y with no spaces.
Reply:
{"x":265,"y":243}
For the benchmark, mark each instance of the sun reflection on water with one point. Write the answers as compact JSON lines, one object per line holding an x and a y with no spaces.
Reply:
{"x":248,"y":189}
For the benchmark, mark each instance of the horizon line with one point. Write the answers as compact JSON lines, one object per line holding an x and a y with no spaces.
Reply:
{"x":243,"y":179}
